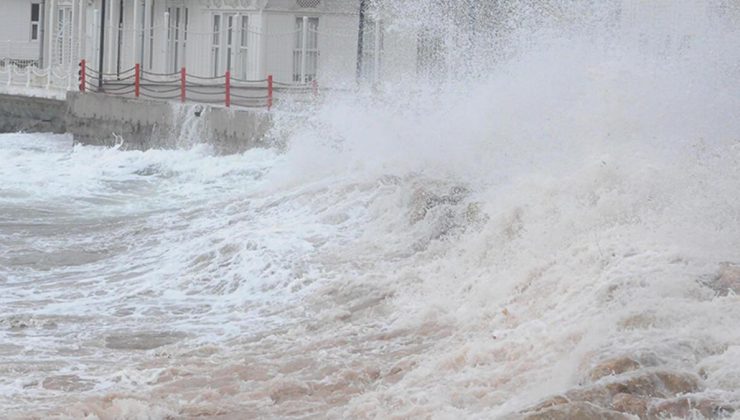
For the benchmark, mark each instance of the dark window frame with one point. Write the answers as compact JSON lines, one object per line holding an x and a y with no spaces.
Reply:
{"x":35,"y":21}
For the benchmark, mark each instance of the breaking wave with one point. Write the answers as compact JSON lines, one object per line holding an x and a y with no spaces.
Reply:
{"x":563,"y":228}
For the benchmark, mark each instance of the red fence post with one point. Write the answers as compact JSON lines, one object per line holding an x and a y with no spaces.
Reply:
{"x":228,"y":89}
{"x":182,"y":84}
{"x":83,"y":71}
{"x":315,"y":87}
{"x":269,"y":92}
{"x":137,"y":79}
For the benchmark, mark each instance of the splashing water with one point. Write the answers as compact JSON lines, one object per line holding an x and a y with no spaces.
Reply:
{"x":466,"y":250}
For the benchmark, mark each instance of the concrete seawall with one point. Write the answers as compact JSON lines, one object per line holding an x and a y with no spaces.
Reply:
{"x":97,"y":119}
{"x":31,"y":114}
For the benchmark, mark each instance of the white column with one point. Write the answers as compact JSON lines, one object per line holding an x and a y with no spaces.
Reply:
{"x":74,"y":36}
{"x":257,"y":54}
{"x":135,"y":30}
{"x":112,"y":31}
{"x":303,"y":49}
{"x":263,"y":39}
{"x":165,"y":31}
{"x":52,"y":32}
{"x":376,"y":53}
{"x":83,"y":29}
{"x":183,"y":53}
{"x":78,"y":29}
{"x":147,"y":30}
{"x":237,"y":45}
{"x":254,"y":60}
{"x":96,"y":40}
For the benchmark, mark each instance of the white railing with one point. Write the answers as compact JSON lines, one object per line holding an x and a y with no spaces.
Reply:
{"x":18,"y":62}
{"x":21,"y":54}
{"x":30,"y":80}
{"x":21,"y":75}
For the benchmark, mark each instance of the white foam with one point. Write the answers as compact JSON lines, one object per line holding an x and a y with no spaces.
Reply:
{"x":457,"y":252}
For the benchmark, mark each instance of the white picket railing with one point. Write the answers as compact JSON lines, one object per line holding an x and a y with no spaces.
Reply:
{"x":18,"y":78}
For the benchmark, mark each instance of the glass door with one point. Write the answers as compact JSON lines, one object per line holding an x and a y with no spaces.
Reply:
{"x":225,"y":45}
{"x":177,"y":36}
{"x":306,"y":52}
{"x":64,"y":36}
{"x":242,"y":49}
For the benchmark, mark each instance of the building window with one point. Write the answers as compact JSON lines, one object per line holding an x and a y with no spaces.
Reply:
{"x":229,"y":44}
{"x":306,"y":62}
{"x":63,"y":36}
{"x":177,"y":36}
{"x":35,"y":17}
{"x":243,"y":47}
{"x":372,"y":51}
{"x":216,"y":44}
{"x":229,"y":28}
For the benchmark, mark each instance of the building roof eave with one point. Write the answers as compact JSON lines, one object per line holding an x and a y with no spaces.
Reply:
{"x":325,"y":7}
{"x":253,"y":5}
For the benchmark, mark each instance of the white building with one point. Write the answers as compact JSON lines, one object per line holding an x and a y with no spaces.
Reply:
{"x":21,"y":31}
{"x":294,"y":40}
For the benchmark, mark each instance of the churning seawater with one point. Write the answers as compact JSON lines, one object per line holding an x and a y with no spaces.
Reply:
{"x":464,"y":251}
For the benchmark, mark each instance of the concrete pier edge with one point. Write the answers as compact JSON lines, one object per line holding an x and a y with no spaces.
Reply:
{"x":139,"y":124}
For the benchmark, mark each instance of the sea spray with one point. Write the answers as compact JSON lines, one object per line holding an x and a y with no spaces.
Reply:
{"x":553,"y":236}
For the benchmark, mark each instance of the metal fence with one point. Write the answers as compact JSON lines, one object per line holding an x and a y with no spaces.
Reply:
{"x":225,"y":66}
{"x":184,"y":87}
